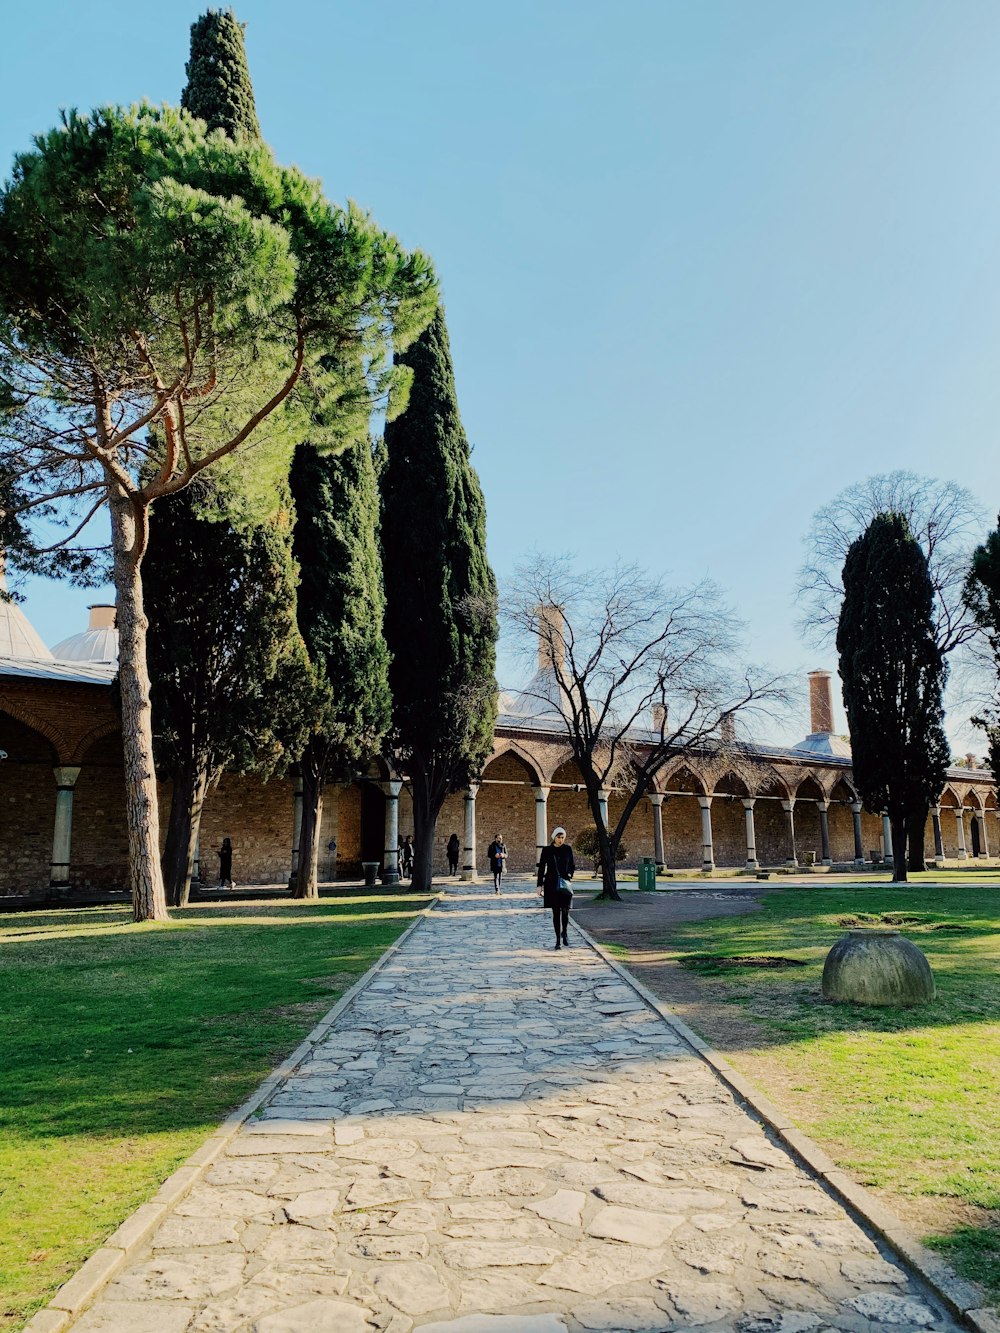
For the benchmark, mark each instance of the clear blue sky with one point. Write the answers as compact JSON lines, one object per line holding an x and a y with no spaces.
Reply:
{"x":704,"y":263}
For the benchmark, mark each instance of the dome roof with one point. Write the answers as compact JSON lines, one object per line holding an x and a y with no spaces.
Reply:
{"x":97,"y":643}
{"x":18,"y":637}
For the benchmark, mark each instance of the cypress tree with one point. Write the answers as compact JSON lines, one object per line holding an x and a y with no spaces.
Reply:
{"x":982,"y":597}
{"x":218,"y":87}
{"x":441,"y":614}
{"x":893,"y":675}
{"x":229,"y":676}
{"x":340,"y":613}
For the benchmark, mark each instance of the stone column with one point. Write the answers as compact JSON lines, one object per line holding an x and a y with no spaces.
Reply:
{"x":938,"y":840}
{"x":707,"y":846}
{"x":984,"y":842}
{"x":859,"y":846}
{"x":789,"y":809}
{"x":296,"y":831}
{"x":960,"y":821}
{"x":886,"y":838}
{"x":390,"y":858}
{"x":824,"y":831}
{"x":656,"y":801}
{"x":602,"y":801}
{"x":62,"y":833}
{"x":469,"y":851}
{"x":748,"y":804}
{"x":541,"y":821}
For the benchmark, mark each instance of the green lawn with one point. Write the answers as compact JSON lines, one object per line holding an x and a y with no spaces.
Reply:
{"x":122,"y":1047}
{"x":907,"y":1100}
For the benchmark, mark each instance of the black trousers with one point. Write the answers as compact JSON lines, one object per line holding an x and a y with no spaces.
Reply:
{"x":560,"y":921}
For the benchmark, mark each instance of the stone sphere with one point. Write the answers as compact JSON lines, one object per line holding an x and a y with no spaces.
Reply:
{"x":877,"y":967}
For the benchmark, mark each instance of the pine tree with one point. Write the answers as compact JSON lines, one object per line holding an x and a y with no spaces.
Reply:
{"x":340,"y":613}
{"x":230,"y":682}
{"x":893,"y":675}
{"x":218,"y":88}
{"x":440,"y":621}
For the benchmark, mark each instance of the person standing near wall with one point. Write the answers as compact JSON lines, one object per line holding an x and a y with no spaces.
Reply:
{"x":556,"y":867}
{"x":226,"y":865}
{"x":497,"y":855}
{"x":454,"y":848}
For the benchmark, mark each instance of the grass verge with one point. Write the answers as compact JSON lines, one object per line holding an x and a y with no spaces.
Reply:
{"x":122,"y":1046}
{"x":905,"y":1099}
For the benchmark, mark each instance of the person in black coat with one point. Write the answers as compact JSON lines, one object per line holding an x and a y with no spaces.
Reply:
{"x":453,"y":849}
{"x":556,"y":863}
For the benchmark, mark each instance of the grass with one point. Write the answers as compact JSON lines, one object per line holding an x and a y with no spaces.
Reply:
{"x":122,"y":1047}
{"x":906,"y":1099}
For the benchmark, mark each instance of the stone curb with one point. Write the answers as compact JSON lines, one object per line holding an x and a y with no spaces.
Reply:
{"x":93,"y":1276}
{"x":960,"y":1298}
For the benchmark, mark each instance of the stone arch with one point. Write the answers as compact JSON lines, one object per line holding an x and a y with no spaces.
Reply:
{"x":506,"y":804}
{"x":100,"y":836}
{"x":808,"y":835}
{"x":682,"y":838}
{"x":90,"y":738}
{"x":771,"y":821}
{"x":841,"y":818}
{"x":27,"y":805}
{"x":729,"y":828}
{"x":567,"y":807}
{"x":16,"y":709}
{"x":522,"y":755}
{"x":683,"y":779}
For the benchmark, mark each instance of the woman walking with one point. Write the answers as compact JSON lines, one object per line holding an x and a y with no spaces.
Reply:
{"x":556,"y":868}
{"x":497,"y":855}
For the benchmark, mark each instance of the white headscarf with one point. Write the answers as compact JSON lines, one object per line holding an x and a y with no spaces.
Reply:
{"x":556,"y":832}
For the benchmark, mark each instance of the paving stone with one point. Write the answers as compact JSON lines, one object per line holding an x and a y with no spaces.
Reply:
{"x":320,"y":1316}
{"x":195,"y":1233}
{"x":882,"y":1308}
{"x":863,"y":1271}
{"x":136,"y":1317}
{"x":698,"y":1302}
{"x":414,"y":1288}
{"x":631,"y":1314}
{"x":564,"y":1206}
{"x":634,"y":1226}
{"x":314,"y":1208}
{"x":491,"y":1323}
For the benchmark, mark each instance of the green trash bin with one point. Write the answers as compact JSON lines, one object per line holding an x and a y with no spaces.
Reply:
{"x":647,"y":874}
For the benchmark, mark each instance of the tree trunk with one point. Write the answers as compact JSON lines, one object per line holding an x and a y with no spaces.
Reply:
{"x":898,"y":825}
{"x":608,"y":854}
{"x":915,"y":826}
{"x":427,"y":805}
{"x":141,"y":812}
{"x":312,"y":767}
{"x":190,"y":783}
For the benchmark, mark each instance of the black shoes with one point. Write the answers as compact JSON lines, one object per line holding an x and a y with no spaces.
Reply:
{"x":565,"y":941}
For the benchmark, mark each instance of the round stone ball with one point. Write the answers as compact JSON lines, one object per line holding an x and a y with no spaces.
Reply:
{"x":877,"y":967}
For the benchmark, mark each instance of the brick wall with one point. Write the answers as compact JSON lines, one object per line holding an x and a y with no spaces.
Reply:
{"x":257,"y":816}
{"x":27,"y":808}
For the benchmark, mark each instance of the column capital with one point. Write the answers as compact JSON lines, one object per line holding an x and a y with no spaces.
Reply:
{"x":823,"y":805}
{"x":788,"y":805}
{"x":392,"y":788}
{"x":541,"y":792}
{"x":749,"y":802}
{"x":705,"y":802}
{"x":66,"y":777}
{"x":603,"y":794}
{"x":856,"y":807}
{"x":472,"y":791}
{"x":655,"y":797}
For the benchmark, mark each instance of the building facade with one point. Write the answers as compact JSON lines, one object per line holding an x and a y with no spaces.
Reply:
{"x":743,"y":807}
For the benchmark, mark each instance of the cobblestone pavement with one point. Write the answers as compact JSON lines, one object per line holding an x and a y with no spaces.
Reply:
{"x":499,"y":1138}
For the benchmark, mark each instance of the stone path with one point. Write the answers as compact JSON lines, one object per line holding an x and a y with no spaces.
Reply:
{"x":499,"y":1138}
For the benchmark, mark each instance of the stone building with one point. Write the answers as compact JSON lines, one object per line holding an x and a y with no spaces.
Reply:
{"x":62,"y":791}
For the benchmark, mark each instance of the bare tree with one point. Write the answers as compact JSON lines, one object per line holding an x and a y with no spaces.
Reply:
{"x":946,"y":520}
{"x":634,"y":673}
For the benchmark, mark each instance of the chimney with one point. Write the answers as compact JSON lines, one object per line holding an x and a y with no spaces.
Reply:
{"x":102,"y":616}
{"x":659,"y":717}
{"x":820,"y":704}
{"x":970,"y":761}
{"x":727,"y":729}
{"x":551,"y":636}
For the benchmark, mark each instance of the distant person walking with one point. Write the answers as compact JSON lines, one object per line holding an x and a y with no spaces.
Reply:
{"x":556,"y":868}
{"x":454,"y":847}
{"x":226,"y":865}
{"x":406,"y":866}
{"x":496,"y":854}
